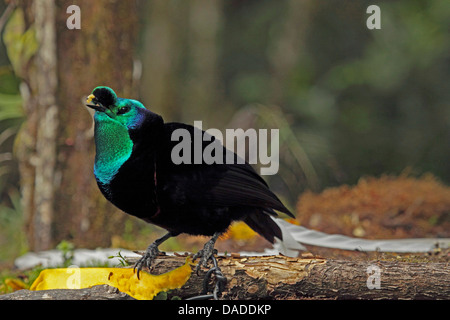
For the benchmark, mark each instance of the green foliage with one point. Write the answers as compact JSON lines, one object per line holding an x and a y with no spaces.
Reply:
{"x":161,"y":296}
{"x":11,"y":218}
{"x":12,"y":240}
{"x":392,"y":101}
{"x":21,"y":43}
{"x":20,"y":46}
{"x":356,"y":101}
{"x":10,"y":107}
{"x":122,"y":260}
{"x":67,"y":249}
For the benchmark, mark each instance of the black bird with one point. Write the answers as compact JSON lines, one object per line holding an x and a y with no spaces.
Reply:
{"x":134,"y":170}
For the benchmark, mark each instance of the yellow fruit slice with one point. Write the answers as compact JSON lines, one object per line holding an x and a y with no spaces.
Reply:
{"x":124,"y":279}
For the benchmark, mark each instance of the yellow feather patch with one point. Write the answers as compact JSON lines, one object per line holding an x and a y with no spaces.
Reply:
{"x":89,"y":98}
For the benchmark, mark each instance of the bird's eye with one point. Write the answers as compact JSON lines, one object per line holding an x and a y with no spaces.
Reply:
{"x":123,"y":110}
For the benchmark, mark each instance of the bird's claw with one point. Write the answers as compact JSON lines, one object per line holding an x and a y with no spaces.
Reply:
{"x":147,"y":259}
{"x":206,"y":254}
{"x":220,"y":282}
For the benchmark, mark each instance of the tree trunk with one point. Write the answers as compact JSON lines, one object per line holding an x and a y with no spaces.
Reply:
{"x":181,"y":72}
{"x":201,"y":87}
{"x":37,"y":152}
{"x":162,"y":61}
{"x":55,"y":146}
{"x":288,"y":49}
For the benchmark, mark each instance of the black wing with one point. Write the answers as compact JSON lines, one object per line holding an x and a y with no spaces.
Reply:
{"x":220,"y":184}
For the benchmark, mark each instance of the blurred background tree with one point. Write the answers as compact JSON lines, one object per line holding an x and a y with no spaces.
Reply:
{"x":348,"y":101}
{"x":57,"y":68}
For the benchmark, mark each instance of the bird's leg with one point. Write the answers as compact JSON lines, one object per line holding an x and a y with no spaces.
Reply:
{"x":207,"y":252}
{"x":150,"y":254}
{"x":221,"y":280}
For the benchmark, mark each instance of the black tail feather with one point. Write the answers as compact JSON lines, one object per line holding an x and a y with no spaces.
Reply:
{"x":263,"y":224}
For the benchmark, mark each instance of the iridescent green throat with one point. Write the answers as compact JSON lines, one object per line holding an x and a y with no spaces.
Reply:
{"x":113,"y":147}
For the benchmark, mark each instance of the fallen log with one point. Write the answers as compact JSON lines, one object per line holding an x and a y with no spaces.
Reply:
{"x":280,"y":277}
{"x":286,"y":278}
{"x":102,"y":292}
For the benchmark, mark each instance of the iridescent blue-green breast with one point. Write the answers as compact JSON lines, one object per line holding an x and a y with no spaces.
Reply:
{"x":113,"y":147}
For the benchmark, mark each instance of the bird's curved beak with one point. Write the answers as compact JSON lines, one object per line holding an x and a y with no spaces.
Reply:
{"x":92,"y":103}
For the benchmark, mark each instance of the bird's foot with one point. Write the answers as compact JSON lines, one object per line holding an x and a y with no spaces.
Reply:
{"x":147,"y":259}
{"x":220,"y":282}
{"x":205,"y":254}
{"x":150,"y":254}
{"x":220,"y":279}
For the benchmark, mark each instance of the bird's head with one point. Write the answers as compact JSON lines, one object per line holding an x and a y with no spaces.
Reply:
{"x":109,"y":108}
{"x":122,"y":126}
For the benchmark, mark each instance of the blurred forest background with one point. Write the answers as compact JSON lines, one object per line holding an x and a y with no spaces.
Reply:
{"x":349,"y":102}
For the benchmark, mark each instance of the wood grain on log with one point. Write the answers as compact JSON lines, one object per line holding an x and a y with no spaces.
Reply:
{"x":285,"y":278}
{"x":280,"y":277}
